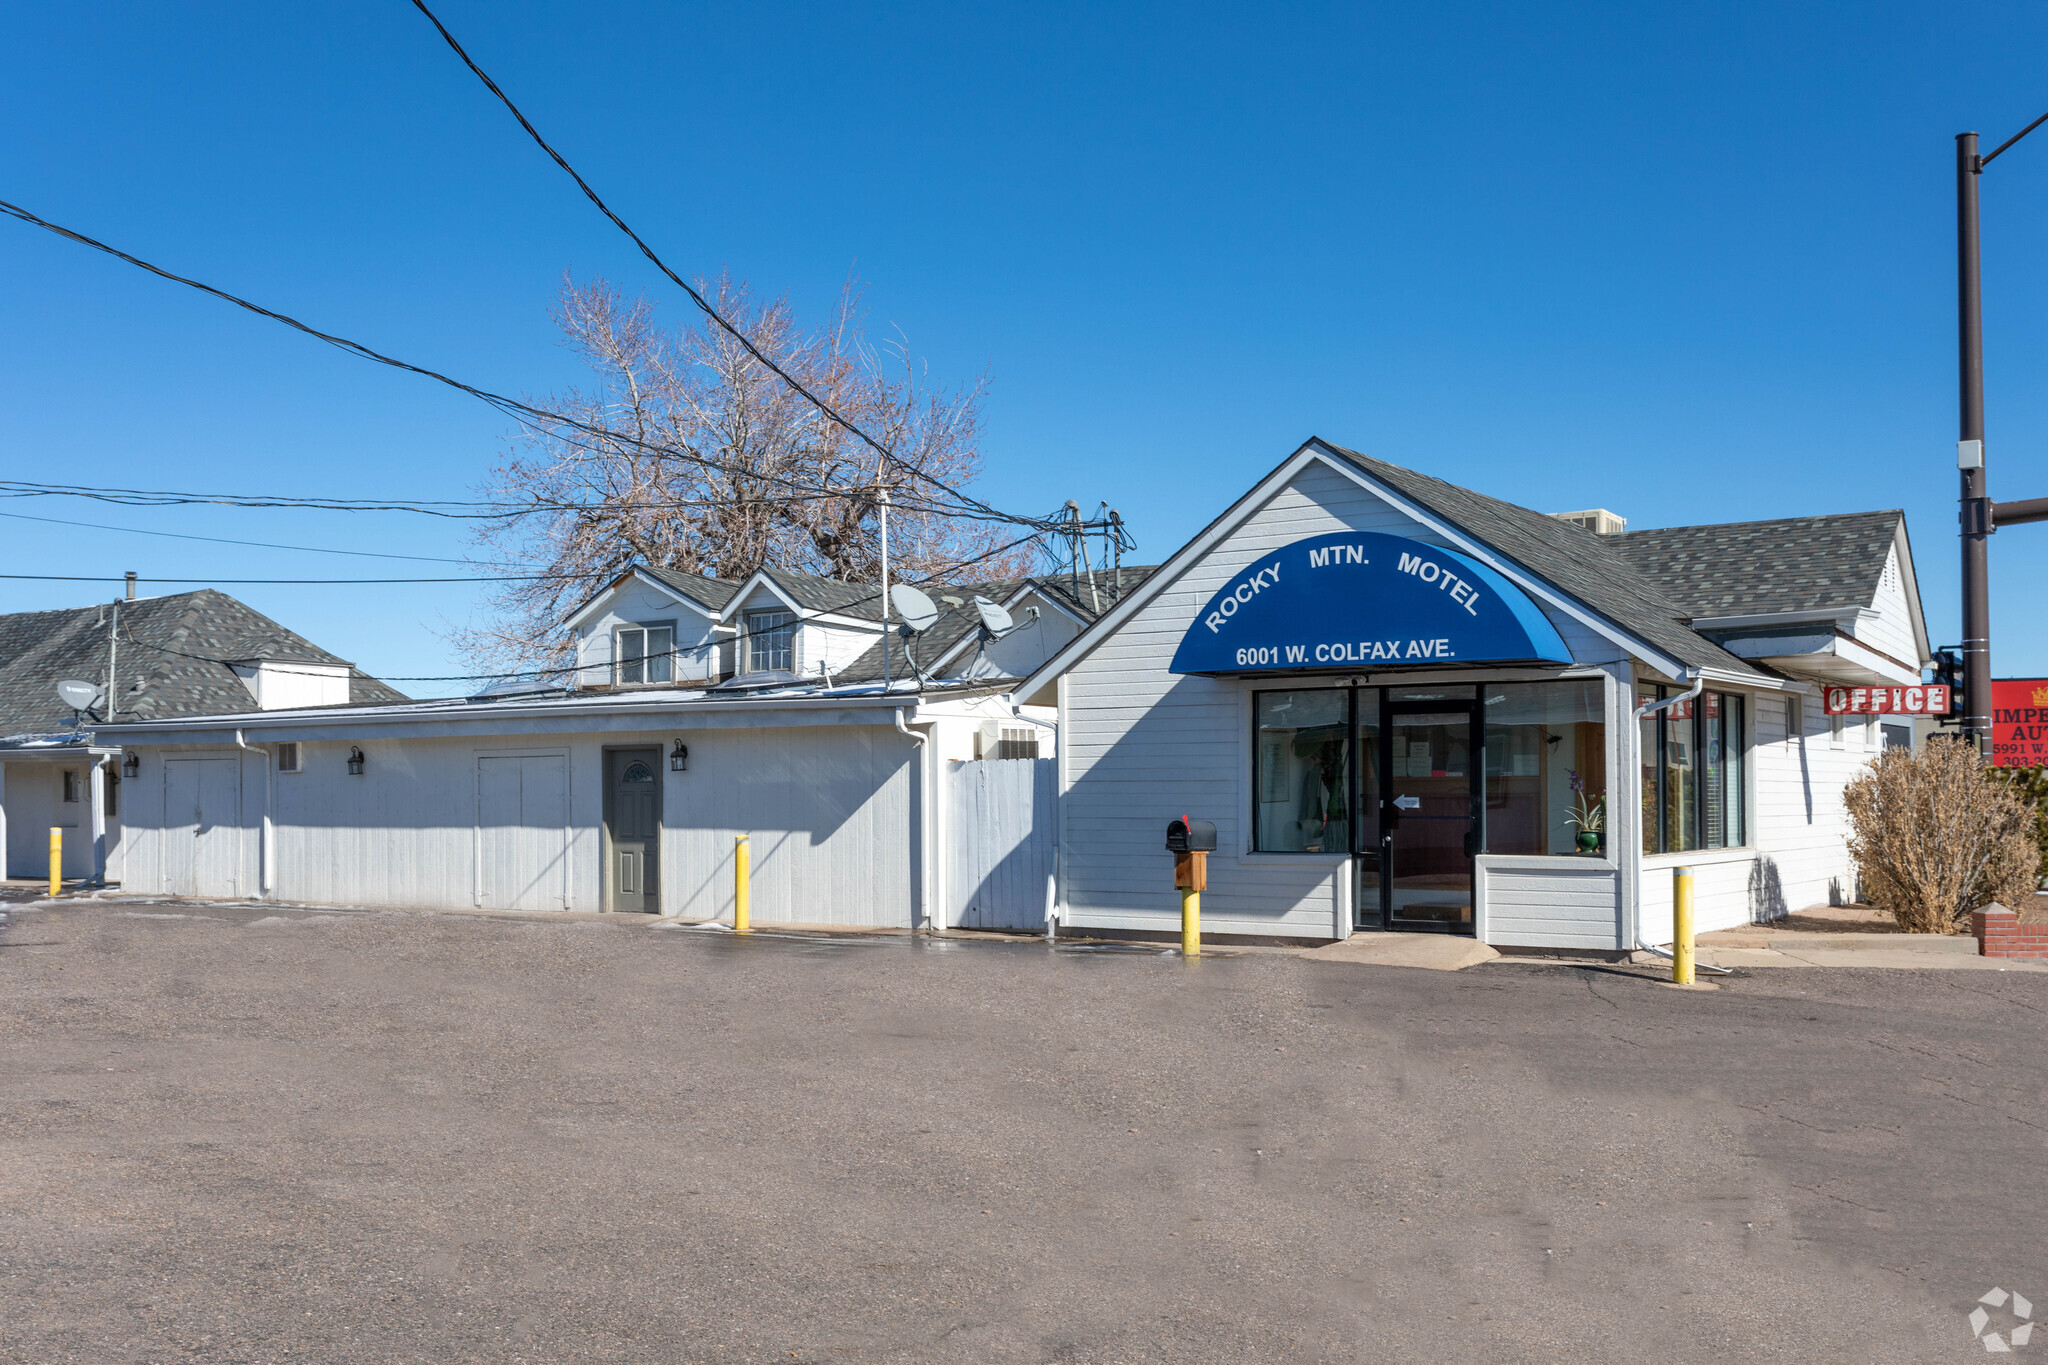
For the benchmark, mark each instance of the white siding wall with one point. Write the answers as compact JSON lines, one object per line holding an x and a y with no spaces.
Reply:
{"x":34,"y":795}
{"x":638,"y":603}
{"x":838,"y":646}
{"x":1143,"y":745}
{"x":1891,"y":630}
{"x":1020,"y":653}
{"x":828,"y":809}
{"x":1799,"y":831}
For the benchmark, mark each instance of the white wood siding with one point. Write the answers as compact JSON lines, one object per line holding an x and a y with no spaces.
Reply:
{"x":1891,"y":630}
{"x":828,"y":808}
{"x":1142,"y":745}
{"x":634,"y":603}
{"x":1550,"y":903}
{"x":33,"y":794}
{"x":1001,"y":820}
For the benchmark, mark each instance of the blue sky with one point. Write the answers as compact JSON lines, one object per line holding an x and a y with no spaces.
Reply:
{"x":1691,"y":263}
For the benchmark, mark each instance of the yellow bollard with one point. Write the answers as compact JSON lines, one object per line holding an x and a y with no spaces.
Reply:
{"x":56,"y":861}
{"x":742,"y":875}
{"x":1681,"y":926}
{"x":1191,"y":875}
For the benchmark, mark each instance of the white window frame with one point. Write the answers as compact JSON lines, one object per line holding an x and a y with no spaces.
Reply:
{"x":647,"y":656}
{"x":288,"y":757}
{"x":786,"y":621}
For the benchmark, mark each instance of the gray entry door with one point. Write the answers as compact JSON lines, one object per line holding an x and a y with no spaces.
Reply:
{"x":632,"y":822}
{"x":202,"y":826}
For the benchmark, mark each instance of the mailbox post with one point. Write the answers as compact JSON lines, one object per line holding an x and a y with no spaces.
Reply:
{"x":1191,"y":842}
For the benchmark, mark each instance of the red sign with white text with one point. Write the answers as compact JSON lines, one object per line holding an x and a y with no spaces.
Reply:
{"x":2019,"y":722}
{"x":1929,"y":699}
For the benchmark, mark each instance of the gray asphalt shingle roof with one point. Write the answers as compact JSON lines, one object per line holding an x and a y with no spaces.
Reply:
{"x":1748,"y":568}
{"x":170,"y":659}
{"x":1570,"y":558}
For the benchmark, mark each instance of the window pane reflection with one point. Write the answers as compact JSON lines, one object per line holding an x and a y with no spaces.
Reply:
{"x":1303,"y":780}
{"x":1546,"y":767}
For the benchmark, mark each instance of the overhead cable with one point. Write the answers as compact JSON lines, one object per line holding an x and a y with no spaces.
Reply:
{"x":524,"y":413}
{"x":696,"y":296}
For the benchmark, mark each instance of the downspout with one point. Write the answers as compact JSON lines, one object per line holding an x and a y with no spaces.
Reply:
{"x":265,"y":847}
{"x":1052,"y":881}
{"x":925,"y":806}
{"x":1698,"y":679}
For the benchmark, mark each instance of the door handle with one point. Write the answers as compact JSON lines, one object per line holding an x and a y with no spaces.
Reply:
{"x":1471,"y":843}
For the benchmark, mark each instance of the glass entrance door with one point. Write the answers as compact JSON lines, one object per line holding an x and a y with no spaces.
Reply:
{"x":1428,"y":823}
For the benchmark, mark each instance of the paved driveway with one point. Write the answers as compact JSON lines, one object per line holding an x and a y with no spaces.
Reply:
{"x":259,"y":1136}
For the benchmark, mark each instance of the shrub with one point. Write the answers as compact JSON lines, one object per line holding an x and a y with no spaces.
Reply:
{"x":2031,"y":786}
{"x":1935,"y":836}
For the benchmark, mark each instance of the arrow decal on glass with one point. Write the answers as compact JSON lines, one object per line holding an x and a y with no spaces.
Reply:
{"x":1408,"y":802}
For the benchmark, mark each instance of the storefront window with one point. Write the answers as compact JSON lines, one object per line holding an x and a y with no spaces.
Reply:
{"x":1303,"y":778}
{"x":1546,"y":767}
{"x":1680,"y":794}
{"x":1692,"y":756}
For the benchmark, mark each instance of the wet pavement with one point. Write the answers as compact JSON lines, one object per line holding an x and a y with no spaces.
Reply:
{"x":249,"y":1133}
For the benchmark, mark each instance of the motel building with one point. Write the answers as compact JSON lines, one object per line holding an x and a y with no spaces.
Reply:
{"x":1410,"y":706}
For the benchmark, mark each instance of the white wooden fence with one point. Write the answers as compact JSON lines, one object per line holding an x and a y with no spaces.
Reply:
{"x":1000,"y":830}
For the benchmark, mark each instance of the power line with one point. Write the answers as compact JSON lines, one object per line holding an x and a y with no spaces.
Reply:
{"x":315,"y":582}
{"x":696,"y":297}
{"x":222,"y":540}
{"x":511,"y":407}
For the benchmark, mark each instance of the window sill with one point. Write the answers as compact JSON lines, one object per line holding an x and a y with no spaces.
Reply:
{"x":1698,"y":856}
{"x":1546,"y":862}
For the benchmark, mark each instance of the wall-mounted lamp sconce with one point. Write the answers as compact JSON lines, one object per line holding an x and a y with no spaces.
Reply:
{"x":131,"y":766}
{"x":355,"y":761}
{"x":679,"y":758}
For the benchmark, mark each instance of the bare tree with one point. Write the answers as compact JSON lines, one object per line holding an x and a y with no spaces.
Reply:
{"x":709,"y":463}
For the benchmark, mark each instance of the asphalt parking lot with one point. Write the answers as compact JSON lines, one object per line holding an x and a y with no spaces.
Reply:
{"x":253,"y":1135}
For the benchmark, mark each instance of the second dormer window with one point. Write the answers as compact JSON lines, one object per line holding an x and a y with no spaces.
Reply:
{"x":646,"y":654}
{"x":771,"y":641}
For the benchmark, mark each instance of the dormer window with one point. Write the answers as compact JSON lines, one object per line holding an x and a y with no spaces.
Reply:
{"x":644,"y":654}
{"x":771,"y":641}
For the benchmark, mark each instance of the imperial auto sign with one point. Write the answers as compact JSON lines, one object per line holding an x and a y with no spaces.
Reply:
{"x":2019,"y":722}
{"x":1930,"y":699}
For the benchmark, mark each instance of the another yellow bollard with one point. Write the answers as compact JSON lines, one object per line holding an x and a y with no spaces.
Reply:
{"x":56,"y":861}
{"x":742,"y":875}
{"x":1191,"y":875}
{"x":1681,"y":926}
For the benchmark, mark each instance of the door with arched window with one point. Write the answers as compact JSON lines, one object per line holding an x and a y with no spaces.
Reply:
{"x":632,"y":830}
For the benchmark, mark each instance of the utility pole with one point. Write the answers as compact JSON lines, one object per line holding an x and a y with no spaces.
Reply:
{"x":1976,"y":520}
{"x":1980,"y":516}
{"x":882,"y":502}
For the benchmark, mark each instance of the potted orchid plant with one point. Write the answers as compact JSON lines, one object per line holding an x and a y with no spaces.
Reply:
{"x":1588,"y":814}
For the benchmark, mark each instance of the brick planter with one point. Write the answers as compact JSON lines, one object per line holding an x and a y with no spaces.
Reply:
{"x":2000,"y":934}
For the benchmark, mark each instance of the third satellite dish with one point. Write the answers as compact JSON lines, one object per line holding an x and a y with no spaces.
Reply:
{"x":78,"y":695}
{"x":914,"y":607}
{"x":993,"y":618}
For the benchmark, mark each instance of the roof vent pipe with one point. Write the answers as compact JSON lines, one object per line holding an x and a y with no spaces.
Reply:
{"x":131,"y":585}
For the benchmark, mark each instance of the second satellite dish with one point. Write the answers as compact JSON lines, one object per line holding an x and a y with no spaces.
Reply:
{"x":994,"y":618}
{"x":78,"y":695}
{"x":914,"y":607}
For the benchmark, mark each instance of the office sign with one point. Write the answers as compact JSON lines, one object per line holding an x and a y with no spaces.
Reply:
{"x":1361,"y":599}
{"x":1930,"y":700}
{"x":2019,"y":722}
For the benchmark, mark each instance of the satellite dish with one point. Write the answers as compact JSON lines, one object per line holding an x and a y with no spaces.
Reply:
{"x":993,"y":618}
{"x":78,"y":695}
{"x":914,"y":607}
